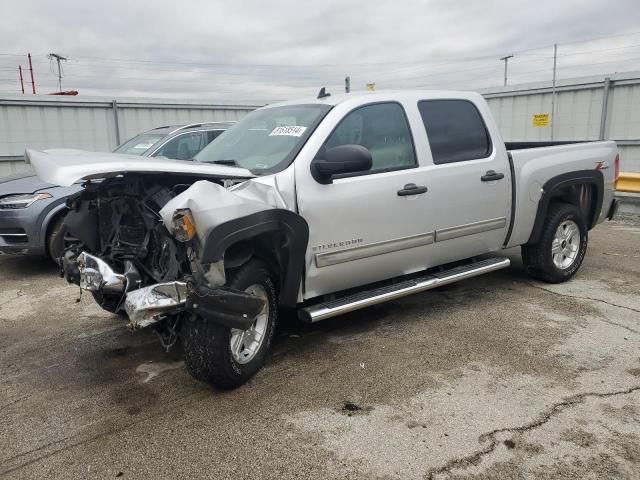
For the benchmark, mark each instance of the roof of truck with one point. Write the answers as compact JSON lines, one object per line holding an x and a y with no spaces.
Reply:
{"x":381,"y":95}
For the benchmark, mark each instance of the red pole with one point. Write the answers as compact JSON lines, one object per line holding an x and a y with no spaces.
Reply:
{"x":33,"y":82}
{"x":21,"y":79}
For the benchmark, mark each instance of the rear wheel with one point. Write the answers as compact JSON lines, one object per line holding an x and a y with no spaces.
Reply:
{"x":562,"y":246}
{"x":225,"y":357}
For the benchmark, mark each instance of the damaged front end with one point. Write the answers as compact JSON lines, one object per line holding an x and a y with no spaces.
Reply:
{"x":136,"y":248}
{"x":149,"y":305}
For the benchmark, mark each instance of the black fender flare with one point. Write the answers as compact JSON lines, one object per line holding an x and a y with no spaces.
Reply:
{"x":555,"y":184}
{"x":295,"y":230}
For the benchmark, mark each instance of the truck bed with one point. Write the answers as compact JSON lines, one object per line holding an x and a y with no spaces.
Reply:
{"x":534,"y":163}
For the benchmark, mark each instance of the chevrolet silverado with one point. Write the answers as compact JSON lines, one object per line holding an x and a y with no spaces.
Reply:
{"x":325,"y":206}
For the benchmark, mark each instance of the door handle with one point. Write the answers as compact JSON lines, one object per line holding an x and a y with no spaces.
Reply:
{"x":411,"y":189}
{"x":491,"y":175}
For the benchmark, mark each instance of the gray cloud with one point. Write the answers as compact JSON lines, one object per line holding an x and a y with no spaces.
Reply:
{"x":256,"y":50}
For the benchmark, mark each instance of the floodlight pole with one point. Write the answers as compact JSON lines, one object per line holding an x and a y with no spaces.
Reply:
{"x":506,"y":61}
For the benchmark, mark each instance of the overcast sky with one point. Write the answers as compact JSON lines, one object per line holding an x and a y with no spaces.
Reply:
{"x":267,"y":50}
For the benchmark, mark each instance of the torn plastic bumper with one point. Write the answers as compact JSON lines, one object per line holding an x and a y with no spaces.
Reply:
{"x":231,"y":308}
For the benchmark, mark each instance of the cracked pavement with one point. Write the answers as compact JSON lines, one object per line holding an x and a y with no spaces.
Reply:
{"x":496,"y":377}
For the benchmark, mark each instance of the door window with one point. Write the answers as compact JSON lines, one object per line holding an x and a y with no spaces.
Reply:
{"x":383,"y":129}
{"x":455,"y":129}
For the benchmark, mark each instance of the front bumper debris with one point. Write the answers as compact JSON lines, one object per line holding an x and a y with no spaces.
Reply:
{"x":231,"y":308}
{"x":96,"y":275}
{"x":145,"y":306}
{"x":148,"y":305}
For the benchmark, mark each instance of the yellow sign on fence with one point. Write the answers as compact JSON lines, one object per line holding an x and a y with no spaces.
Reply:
{"x":540,"y":119}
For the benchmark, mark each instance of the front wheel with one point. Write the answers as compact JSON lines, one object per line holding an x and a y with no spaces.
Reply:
{"x":55,"y":240}
{"x":562,"y":246}
{"x":110,"y":303}
{"x":225,"y":357}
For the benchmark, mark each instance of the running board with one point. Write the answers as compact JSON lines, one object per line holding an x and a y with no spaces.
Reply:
{"x":332,"y":308}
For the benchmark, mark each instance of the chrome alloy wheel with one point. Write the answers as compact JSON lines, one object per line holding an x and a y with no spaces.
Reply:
{"x":566,"y":244}
{"x":246,"y":343}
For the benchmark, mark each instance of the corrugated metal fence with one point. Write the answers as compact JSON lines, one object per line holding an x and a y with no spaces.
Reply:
{"x":97,"y":124}
{"x":585,"y":109}
{"x":593,"y":108}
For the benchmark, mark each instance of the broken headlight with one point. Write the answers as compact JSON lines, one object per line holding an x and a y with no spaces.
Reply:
{"x":183,"y":226}
{"x":22,"y":201}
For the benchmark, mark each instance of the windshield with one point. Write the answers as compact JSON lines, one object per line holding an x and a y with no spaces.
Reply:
{"x":266,"y":140}
{"x":139,"y":144}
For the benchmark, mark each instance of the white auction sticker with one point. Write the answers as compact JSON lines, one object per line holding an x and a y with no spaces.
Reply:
{"x":144,"y":145}
{"x":290,"y":131}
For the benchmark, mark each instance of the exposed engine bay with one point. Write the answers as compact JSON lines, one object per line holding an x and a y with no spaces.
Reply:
{"x":119,"y":248}
{"x":119,"y":221}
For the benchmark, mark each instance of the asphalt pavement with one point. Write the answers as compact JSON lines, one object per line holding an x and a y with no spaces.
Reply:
{"x":496,"y":377}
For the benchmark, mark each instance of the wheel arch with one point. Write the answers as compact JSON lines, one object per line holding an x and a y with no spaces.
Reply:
{"x":279,"y":236}
{"x":583,"y":188}
{"x":52,"y":216}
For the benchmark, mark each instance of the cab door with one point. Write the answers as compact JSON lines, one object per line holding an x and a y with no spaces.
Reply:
{"x":373,"y":225}
{"x":469,"y":178}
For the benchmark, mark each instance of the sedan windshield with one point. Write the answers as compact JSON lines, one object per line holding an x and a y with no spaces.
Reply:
{"x":139,"y":144}
{"x":266,"y":140}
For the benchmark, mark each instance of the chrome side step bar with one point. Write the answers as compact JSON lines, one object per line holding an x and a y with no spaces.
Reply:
{"x":332,"y":308}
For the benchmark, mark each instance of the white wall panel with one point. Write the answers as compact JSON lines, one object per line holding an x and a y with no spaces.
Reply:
{"x":41,"y":122}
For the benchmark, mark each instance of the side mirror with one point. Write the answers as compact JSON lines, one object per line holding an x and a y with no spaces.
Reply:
{"x":338,"y":160}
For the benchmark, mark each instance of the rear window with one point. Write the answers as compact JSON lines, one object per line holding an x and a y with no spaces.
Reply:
{"x":455,"y":129}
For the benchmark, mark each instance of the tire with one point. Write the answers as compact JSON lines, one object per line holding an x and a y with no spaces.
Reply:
{"x":110,"y":303}
{"x":207,"y":346}
{"x":540,"y":261}
{"x":55,"y":240}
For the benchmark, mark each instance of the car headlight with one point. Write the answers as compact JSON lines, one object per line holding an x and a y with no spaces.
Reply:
{"x":183,"y":226}
{"x":22,"y":201}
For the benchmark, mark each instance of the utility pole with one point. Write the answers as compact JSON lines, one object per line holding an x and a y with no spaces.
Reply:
{"x":33,"y":82}
{"x":553,"y":89}
{"x":58,"y":58}
{"x":506,"y":61}
{"x":347,"y":84}
{"x":21,"y":79}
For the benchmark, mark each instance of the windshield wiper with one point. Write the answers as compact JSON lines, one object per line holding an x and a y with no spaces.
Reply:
{"x":230,"y":163}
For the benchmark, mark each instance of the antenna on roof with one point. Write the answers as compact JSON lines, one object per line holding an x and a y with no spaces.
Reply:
{"x":323,"y":93}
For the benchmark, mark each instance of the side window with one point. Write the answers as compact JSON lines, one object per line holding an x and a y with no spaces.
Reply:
{"x":383,"y":129}
{"x":183,"y":147}
{"x":455,"y":129}
{"x":212,"y":135}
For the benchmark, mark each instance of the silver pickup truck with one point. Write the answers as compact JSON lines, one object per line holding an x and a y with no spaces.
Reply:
{"x":325,"y":206}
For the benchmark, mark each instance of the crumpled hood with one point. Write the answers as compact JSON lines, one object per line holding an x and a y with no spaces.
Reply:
{"x":65,"y":166}
{"x":25,"y":183}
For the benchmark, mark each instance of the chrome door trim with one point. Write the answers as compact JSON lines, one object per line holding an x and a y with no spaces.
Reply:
{"x":471,"y":229}
{"x":388,"y":246}
{"x":380,"y":248}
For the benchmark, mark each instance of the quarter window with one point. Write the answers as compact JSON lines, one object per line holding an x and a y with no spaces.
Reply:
{"x":383,"y":129}
{"x":456,"y":130}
